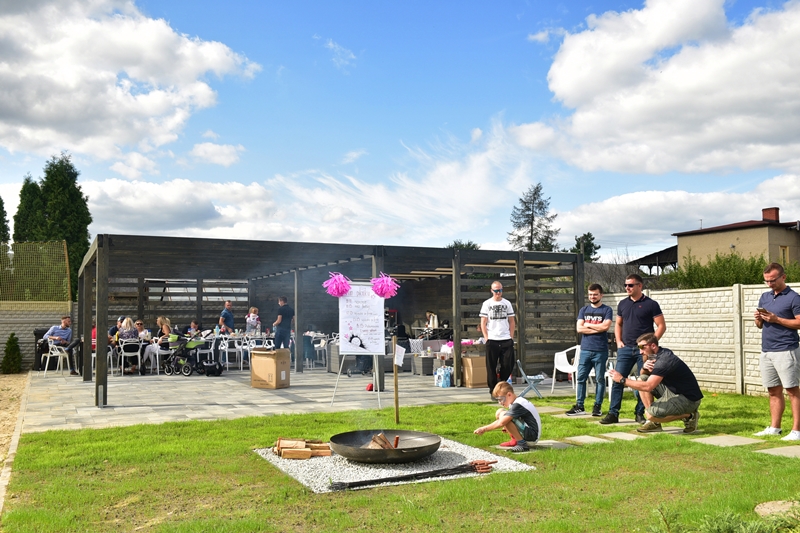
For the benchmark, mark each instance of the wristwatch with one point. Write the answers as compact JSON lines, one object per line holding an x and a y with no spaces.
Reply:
{"x":622,"y":381}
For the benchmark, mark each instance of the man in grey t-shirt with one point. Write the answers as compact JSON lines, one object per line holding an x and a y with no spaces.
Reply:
{"x":778,"y":318}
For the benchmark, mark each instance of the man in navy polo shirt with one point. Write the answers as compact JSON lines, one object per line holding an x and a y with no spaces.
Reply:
{"x":636,"y":315}
{"x":593,"y":323}
{"x":778,"y":318}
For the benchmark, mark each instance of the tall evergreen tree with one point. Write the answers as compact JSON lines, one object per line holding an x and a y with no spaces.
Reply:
{"x":29,"y":222}
{"x":66,"y":211}
{"x":55,"y":210}
{"x":4,"y":231}
{"x":533,"y":222}
{"x":590,"y":249}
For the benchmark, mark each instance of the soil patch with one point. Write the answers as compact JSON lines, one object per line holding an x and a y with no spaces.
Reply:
{"x":12,"y":387}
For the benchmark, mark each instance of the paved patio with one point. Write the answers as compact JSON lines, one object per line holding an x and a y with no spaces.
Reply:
{"x":57,"y":402}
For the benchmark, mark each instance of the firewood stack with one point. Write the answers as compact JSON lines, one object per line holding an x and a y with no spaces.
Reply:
{"x":301,"y":448}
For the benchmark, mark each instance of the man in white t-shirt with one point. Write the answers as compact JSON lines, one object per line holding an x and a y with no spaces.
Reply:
{"x":497,"y":326}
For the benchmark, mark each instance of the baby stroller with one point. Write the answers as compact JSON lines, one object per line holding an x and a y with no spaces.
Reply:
{"x":181,"y":361}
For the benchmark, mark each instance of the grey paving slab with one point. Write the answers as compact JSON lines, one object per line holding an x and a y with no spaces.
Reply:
{"x":587,"y":439}
{"x":619,"y":435}
{"x":622,"y":422}
{"x":727,"y":440}
{"x":783,"y":451}
{"x":548,"y":410}
{"x":552,"y":445}
{"x":585,"y":415}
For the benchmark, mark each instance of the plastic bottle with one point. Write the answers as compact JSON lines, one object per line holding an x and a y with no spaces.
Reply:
{"x":429,"y":351}
{"x":216,"y":330}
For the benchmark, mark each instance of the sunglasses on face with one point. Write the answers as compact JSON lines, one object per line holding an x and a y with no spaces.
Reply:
{"x":139,"y":324}
{"x":627,"y":285}
{"x":496,"y":291}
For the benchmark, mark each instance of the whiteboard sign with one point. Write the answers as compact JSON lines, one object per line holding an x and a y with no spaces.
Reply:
{"x":361,"y":322}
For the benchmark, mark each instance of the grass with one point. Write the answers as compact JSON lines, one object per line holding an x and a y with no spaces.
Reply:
{"x":203,"y":476}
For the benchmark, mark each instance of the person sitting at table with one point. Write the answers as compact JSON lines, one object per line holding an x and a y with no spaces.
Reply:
{"x":161,"y":339}
{"x":431,"y":323}
{"x":114,"y":330}
{"x":61,"y":335}
{"x":144,"y":334}
{"x":127,"y":331}
{"x":191,"y":329}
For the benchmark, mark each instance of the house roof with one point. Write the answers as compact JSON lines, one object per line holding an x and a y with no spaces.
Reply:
{"x":737,"y":226}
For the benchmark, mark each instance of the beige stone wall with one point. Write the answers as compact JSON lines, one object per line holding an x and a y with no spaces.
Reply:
{"x":712,"y":330}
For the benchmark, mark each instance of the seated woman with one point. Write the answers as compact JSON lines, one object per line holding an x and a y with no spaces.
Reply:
{"x":161,"y":339}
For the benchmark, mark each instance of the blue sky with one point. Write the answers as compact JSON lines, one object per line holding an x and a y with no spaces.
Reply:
{"x":411,"y":123}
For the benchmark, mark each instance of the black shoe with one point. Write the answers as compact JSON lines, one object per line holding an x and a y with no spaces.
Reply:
{"x":640,"y":419}
{"x":610,"y":419}
{"x":596,"y":411}
{"x":576,"y":411}
{"x":73,"y":373}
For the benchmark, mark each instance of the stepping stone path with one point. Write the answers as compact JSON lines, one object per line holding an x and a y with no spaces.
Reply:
{"x":727,"y":440}
{"x":619,"y":435}
{"x":784,"y":451}
{"x":587,"y":439}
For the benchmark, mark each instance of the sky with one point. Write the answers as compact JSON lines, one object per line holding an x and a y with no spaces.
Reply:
{"x":408,"y":122}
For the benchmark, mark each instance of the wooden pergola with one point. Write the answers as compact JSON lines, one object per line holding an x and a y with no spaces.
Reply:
{"x":547,"y":300}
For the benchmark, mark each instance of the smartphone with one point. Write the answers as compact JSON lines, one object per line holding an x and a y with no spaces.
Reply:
{"x":761,"y":310}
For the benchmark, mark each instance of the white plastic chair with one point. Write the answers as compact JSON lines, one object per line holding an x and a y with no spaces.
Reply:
{"x":206,"y":349}
{"x":59,"y":352}
{"x":561,"y":363}
{"x":109,"y":362}
{"x":230,"y":345}
{"x":320,"y":349}
{"x":129,"y":348}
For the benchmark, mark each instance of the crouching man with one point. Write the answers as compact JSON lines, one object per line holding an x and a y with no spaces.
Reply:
{"x":667,"y":379}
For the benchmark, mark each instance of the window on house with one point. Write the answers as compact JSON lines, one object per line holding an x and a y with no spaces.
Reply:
{"x":784,"y":255}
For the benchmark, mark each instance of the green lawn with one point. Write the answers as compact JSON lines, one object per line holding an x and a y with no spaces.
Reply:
{"x":203,"y":476}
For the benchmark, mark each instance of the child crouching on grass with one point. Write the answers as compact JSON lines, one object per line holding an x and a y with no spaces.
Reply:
{"x":518,"y":417}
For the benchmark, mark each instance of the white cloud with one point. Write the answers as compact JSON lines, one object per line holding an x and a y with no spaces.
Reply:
{"x":539,"y":37}
{"x":133,"y":165}
{"x":674,"y":86}
{"x":217,"y":154}
{"x":342,"y":57}
{"x":97,"y":77}
{"x":476,"y":135}
{"x":646,"y":220}
{"x":210,"y":134}
{"x":351,"y":157}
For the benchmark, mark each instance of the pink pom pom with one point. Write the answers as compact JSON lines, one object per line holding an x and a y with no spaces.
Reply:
{"x":384,"y":286}
{"x":338,"y":285}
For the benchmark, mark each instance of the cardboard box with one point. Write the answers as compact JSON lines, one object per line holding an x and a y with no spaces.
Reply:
{"x":473,"y":370}
{"x":269,"y":369}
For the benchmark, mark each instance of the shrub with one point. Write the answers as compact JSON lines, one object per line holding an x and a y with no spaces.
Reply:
{"x":12,"y":360}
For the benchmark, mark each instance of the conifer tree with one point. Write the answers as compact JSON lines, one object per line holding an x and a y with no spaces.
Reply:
{"x":533,"y":223}
{"x":12,"y":360}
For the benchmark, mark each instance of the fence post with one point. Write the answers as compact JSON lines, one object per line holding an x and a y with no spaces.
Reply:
{"x":738,"y":341}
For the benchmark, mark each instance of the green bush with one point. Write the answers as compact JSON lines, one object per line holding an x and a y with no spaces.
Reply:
{"x":12,"y":360}
{"x":723,"y":270}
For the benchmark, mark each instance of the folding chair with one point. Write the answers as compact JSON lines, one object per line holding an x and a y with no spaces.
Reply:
{"x":532,"y":381}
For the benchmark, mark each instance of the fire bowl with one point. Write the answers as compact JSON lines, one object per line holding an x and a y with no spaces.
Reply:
{"x":412,"y":446}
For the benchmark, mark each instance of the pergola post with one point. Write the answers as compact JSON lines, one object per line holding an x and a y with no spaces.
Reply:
{"x":299,"y":342}
{"x":199,"y":296}
{"x":580,"y":292}
{"x":85,"y":284}
{"x":457,"y":316}
{"x":101,"y":364}
{"x":140,"y":298}
{"x":520,"y":314}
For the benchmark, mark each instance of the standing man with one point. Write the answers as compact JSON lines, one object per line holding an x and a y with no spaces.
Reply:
{"x":226,"y":318}
{"x":778,"y":318}
{"x":636,"y":315}
{"x":670,"y":381}
{"x":594,"y":320}
{"x":497,"y":326}
{"x":283,"y":324}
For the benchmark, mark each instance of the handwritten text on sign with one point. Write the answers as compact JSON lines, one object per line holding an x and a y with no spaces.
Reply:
{"x":361,"y":322}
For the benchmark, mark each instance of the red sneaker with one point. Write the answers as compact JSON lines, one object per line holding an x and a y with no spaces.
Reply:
{"x":509,"y":444}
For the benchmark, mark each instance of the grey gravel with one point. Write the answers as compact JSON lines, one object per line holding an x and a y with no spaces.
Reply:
{"x":317,"y":473}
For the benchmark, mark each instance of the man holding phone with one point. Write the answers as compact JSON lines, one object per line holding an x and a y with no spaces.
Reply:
{"x":778,"y":318}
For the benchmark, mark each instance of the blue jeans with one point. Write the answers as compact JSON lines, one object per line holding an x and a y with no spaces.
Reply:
{"x":589,"y":360}
{"x":626,"y":358}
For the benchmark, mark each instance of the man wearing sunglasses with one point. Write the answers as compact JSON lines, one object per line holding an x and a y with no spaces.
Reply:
{"x":778,"y":318}
{"x":670,"y":381}
{"x":636,"y":316}
{"x":498,"y":325}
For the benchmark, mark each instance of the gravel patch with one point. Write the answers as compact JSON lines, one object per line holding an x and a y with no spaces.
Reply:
{"x":318,"y":472}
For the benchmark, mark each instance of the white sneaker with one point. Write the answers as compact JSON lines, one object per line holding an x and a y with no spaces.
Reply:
{"x":769,"y":431}
{"x":793,"y":435}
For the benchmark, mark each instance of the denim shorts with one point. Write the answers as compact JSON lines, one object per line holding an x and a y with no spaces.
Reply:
{"x":779,"y":369}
